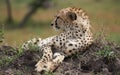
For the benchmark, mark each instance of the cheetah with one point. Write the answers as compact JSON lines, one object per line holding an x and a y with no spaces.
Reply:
{"x":76,"y":37}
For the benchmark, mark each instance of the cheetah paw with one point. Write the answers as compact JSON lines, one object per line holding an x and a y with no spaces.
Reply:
{"x":49,"y":66}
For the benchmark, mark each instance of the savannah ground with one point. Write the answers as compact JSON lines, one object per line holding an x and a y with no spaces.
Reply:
{"x":104,"y":16}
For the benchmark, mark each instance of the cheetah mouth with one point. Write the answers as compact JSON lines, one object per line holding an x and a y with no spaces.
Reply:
{"x":56,"y":27}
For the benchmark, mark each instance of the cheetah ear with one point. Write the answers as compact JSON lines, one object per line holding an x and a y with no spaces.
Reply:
{"x":72,"y":16}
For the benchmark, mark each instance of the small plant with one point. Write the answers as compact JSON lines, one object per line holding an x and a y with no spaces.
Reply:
{"x":106,"y":52}
{"x":33,"y":47}
{"x":20,"y":52}
{"x":8,"y":56}
{"x":49,"y":73}
{"x":19,"y":73}
{"x":1,"y":35}
{"x":6,"y":60}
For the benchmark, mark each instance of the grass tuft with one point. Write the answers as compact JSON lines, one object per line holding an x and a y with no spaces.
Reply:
{"x":106,"y":52}
{"x":49,"y":73}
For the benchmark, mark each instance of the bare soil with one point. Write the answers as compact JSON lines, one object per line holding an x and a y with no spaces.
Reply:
{"x":85,"y":63}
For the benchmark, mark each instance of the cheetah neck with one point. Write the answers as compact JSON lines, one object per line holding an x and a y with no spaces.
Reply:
{"x":78,"y":31}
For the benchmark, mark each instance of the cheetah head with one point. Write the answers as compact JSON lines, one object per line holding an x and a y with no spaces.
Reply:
{"x":68,"y":17}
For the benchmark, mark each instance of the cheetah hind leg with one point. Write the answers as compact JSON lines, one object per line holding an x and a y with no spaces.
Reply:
{"x":49,"y":61}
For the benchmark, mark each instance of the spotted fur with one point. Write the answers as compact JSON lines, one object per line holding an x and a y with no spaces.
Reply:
{"x":76,"y":36}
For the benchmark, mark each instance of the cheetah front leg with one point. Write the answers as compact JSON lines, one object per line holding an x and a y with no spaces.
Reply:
{"x":49,"y":61}
{"x":33,"y":42}
{"x":44,"y":63}
{"x":37,"y":42}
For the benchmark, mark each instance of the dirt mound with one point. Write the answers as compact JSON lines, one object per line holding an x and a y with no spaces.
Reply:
{"x":101,"y":58}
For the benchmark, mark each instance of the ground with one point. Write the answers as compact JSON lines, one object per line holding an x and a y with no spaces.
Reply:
{"x":101,"y":58}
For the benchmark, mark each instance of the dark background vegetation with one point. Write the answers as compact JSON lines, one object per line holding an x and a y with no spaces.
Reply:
{"x":21,"y":20}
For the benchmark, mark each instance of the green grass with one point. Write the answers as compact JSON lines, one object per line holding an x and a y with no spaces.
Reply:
{"x":106,"y":52}
{"x":6,"y":59}
{"x":49,"y":73}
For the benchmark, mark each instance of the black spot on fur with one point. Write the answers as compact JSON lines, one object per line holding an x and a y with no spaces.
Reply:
{"x":70,"y":51}
{"x":45,"y":66}
{"x":75,"y":45}
{"x":81,"y":35}
{"x":82,"y":41}
{"x":49,"y":55}
{"x":88,"y":39}
{"x":60,"y":43}
{"x":61,"y":34}
{"x":78,"y":30}
{"x":76,"y":26}
{"x":74,"y":49}
{"x":70,"y":44}
{"x":83,"y":31}
{"x":45,"y":56}
{"x":35,"y":42}
{"x":43,"y":60}
{"x":76,"y":34}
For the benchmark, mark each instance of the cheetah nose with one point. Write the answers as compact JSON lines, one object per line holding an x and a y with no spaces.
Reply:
{"x":51,"y":24}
